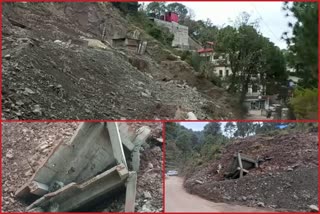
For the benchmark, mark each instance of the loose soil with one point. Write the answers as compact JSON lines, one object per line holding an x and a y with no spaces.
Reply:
{"x":286,"y":180}
{"x":49,"y":73}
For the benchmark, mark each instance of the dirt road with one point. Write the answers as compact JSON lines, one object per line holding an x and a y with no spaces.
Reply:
{"x":178,"y":200}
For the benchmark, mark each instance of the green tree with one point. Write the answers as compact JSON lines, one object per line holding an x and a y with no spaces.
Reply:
{"x":158,"y":8}
{"x":178,"y":8}
{"x":212,"y":129}
{"x":250,"y":54}
{"x":127,"y":7}
{"x":304,"y":41}
{"x":184,"y":140}
{"x":229,"y":128}
{"x":245,"y":129}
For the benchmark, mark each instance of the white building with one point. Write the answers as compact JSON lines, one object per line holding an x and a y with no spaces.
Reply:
{"x":256,"y":95}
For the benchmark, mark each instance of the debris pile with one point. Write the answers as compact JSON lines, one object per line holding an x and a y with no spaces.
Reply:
{"x":285,"y":164}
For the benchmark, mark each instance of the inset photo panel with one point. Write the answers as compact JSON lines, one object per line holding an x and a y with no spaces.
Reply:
{"x":144,"y":60}
{"x":82,"y":166}
{"x":241,"y":167}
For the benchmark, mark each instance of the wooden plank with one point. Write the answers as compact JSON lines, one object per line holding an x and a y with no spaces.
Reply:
{"x":116,"y":143}
{"x":131,"y":192}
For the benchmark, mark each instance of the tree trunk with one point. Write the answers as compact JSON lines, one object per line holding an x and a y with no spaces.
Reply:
{"x":244,"y":88}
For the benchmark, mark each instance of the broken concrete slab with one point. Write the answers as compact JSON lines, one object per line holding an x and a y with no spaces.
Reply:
{"x":126,"y":136}
{"x":37,"y":188}
{"x":240,"y":166}
{"x":131,"y":186}
{"x":142,"y":134}
{"x":73,"y":196}
{"x":90,"y":158}
{"x":115,"y":139}
{"x":87,"y":153}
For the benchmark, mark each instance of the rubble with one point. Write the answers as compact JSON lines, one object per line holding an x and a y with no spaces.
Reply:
{"x":7,"y":56}
{"x":284,"y":161}
{"x":9,"y":154}
{"x":79,"y":71}
{"x":62,"y":187}
{"x":314,"y":208}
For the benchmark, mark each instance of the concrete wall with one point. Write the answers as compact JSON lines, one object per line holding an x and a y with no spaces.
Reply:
{"x":294,"y":79}
{"x":180,"y":32}
{"x":223,"y":69}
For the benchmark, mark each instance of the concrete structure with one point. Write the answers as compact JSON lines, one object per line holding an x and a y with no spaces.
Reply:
{"x":240,"y":166}
{"x":130,"y":44}
{"x":294,"y":79}
{"x":91,"y":165}
{"x":180,"y":32}
{"x":74,"y":196}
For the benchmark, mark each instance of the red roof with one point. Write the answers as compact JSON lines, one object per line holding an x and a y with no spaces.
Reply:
{"x":205,"y":50}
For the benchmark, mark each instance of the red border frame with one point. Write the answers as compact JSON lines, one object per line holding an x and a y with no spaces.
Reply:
{"x":162,"y":121}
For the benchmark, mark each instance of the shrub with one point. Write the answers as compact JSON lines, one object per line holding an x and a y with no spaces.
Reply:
{"x":305,"y":103}
{"x":161,"y":34}
{"x":195,"y":61}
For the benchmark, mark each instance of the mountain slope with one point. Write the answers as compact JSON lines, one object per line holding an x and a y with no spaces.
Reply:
{"x":55,"y":66}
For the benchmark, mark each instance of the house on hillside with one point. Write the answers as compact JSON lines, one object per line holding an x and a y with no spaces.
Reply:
{"x":256,"y":96}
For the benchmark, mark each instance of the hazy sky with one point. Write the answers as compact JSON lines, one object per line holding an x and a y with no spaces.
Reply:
{"x":272,"y":19}
{"x":198,"y":126}
{"x":195,"y":126}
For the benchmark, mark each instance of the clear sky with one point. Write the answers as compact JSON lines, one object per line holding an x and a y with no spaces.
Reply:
{"x":272,"y":19}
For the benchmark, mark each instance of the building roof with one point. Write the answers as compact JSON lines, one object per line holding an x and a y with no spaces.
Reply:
{"x":205,"y":50}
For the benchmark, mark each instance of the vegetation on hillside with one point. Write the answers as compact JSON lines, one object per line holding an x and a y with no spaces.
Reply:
{"x":187,"y":149}
{"x":249,"y":53}
{"x":302,"y":55}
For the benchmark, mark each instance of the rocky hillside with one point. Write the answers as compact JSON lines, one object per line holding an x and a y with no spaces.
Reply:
{"x":58,"y":63}
{"x":286,"y":179}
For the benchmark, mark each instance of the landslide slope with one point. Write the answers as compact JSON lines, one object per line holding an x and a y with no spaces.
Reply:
{"x":49,"y":73}
{"x":287,"y":179}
